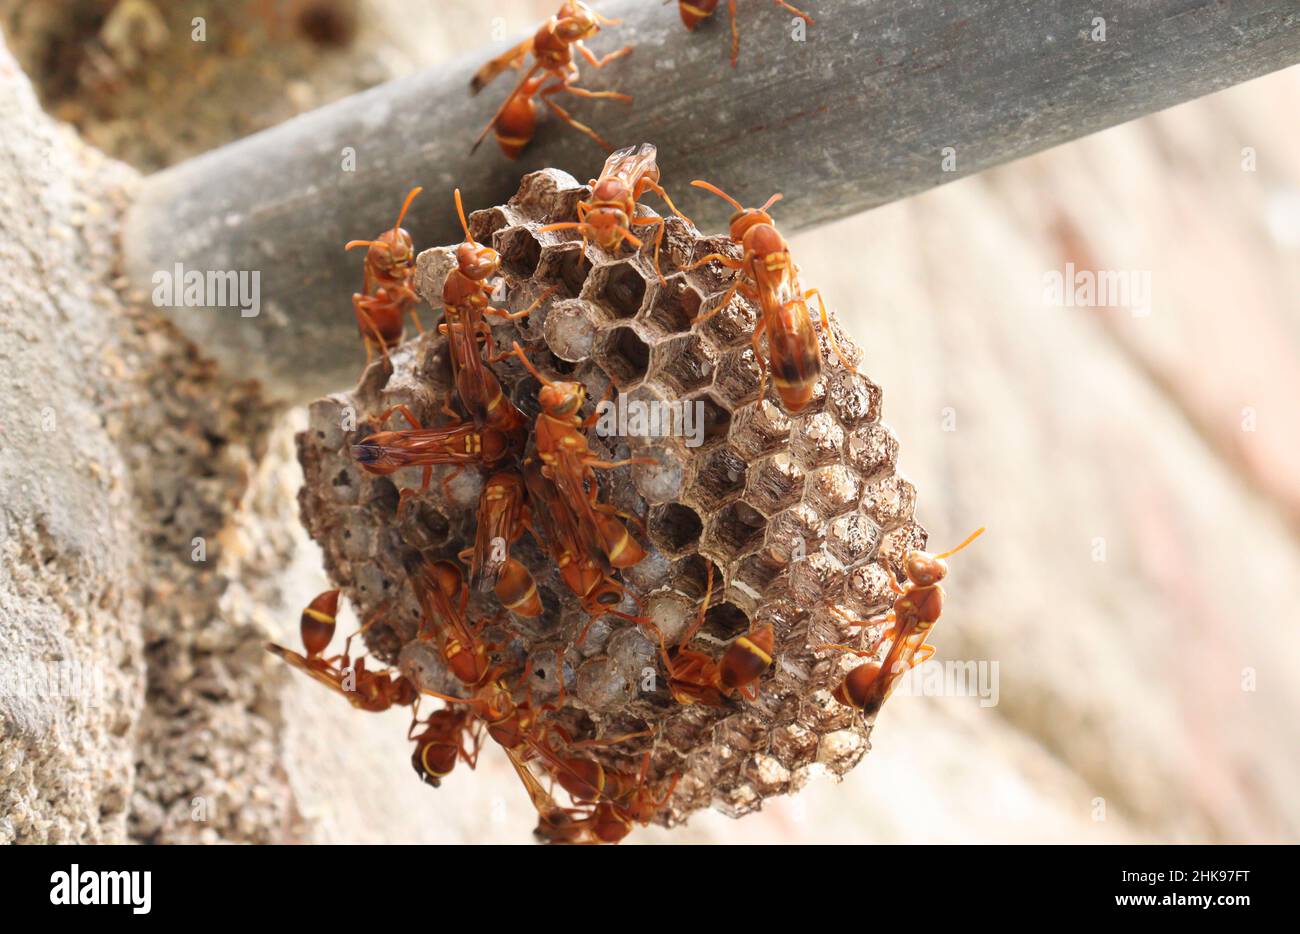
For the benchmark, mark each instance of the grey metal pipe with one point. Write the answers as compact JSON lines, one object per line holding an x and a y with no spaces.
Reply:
{"x":882,"y":99}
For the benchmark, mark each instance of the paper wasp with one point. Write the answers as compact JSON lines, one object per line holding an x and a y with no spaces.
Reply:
{"x":610,"y":215}
{"x":552,"y":48}
{"x":386,"y":294}
{"x":767,"y":275}
{"x":916,"y":609}
{"x":366,"y":690}
{"x":694,"y":11}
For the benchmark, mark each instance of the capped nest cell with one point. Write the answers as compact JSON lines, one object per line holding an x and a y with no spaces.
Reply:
{"x":793,"y":512}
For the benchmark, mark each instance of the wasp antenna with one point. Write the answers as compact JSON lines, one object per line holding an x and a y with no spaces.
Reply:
{"x":405,"y":205}
{"x":366,"y":243}
{"x":529,"y":364}
{"x":771,"y":201}
{"x":970,"y":538}
{"x":460,"y":210}
{"x":700,"y":183}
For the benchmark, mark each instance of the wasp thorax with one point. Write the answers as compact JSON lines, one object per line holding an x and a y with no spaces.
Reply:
{"x":762,"y":239}
{"x":477,"y":262}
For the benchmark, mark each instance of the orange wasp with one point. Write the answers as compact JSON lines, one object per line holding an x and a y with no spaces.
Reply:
{"x":552,"y":48}
{"x":459,"y":444}
{"x":386,"y":294}
{"x":695,"y":678}
{"x":466,"y":297}
{"x":916,"y":610}
{"x":440,"y":590}
{"x":693,"y":11}
{"x":441,"y":744}
{"x":570,"y":464}
{"x":617,"y":799}
{"x":366,"y":690}
{"x":609,"y":216}
{"x":502,"y":518}
{"x":768,"y":276}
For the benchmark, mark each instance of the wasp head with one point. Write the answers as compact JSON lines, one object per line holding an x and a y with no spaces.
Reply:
{"x":476,"y":261}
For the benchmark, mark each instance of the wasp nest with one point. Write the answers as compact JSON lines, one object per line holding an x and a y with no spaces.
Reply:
{"x":793,"y":512}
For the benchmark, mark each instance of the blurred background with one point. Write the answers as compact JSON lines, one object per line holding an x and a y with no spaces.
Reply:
{"x":1137,"y":464}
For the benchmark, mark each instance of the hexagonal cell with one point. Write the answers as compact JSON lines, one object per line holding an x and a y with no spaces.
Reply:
{"x":774,"y":483}
{"x":569,"y":331}
{"x":816,"y":441}
{"x":566,"y":265}
{"x":872,"y":450}
{"x":736,"y":529}
{"x":520,"y":251}
{"x":795,"y":533}
{"x":675,"y":306}
{"x":715,"y":417}
{"x":817,"y":579}
{"x":738,"y":377}
{"x":721,"y":477}
{"x":896,"y":543}
{"x":664,"y":481}
{"x":867,"y":590}
{"x":691,"y":577}
{"x":853,"y":538}
{"x":725,"y":621}
{"x":684,"y":364}
{"x":758,"y":572}
{"x":733,"y":325}
{"x":618,"y":288}
{"x":714,"y":276}
{"x":889,"y":501}
{"x":760,"y":428}
{"x":484,"y":224}
{"x":833,"y":490}
{"x":674,"y":529}
{"x":623,"y":355}
{"x":854,"y":399}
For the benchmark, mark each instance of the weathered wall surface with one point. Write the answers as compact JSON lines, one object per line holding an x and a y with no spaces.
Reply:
{"x":71,"y":669}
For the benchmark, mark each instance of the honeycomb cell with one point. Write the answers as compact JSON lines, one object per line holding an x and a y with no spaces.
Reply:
{"x":569,"y":331}
{"x":854,"y":400}
{"x":603,"y":685}
{"x":872,"y":450}
{"x":889,"y":501}
{"x":774,"y":483}
{"x":760,"y":428}
{"x":671,"y":613}
{"x":833,"y":490}
{"x":736,"y":530}
{"x":867,"y":590}
{"x":795,"y":533}
{"x":624,"y":356}
{"x":758,"y":572}
{"x":852,"y":538}
{"x":714,"y":416}
{"x":618,"y":289}
{"x":674,"y":528}
{"x":565,"y":265}
{"x":738,"y":377}
{"x":713,"y":276}
{"x":721,"y":478}
{"x":724,"y":621}
{"x":816,"y":441}
{"x":730,"y":326}
{"x":485,"y":224}
{"x":520,"y":251}
{"x":817,"y":579}
{"x":676,"y":304}
{"x":664,"y":480}
{"x":684,"y":364}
